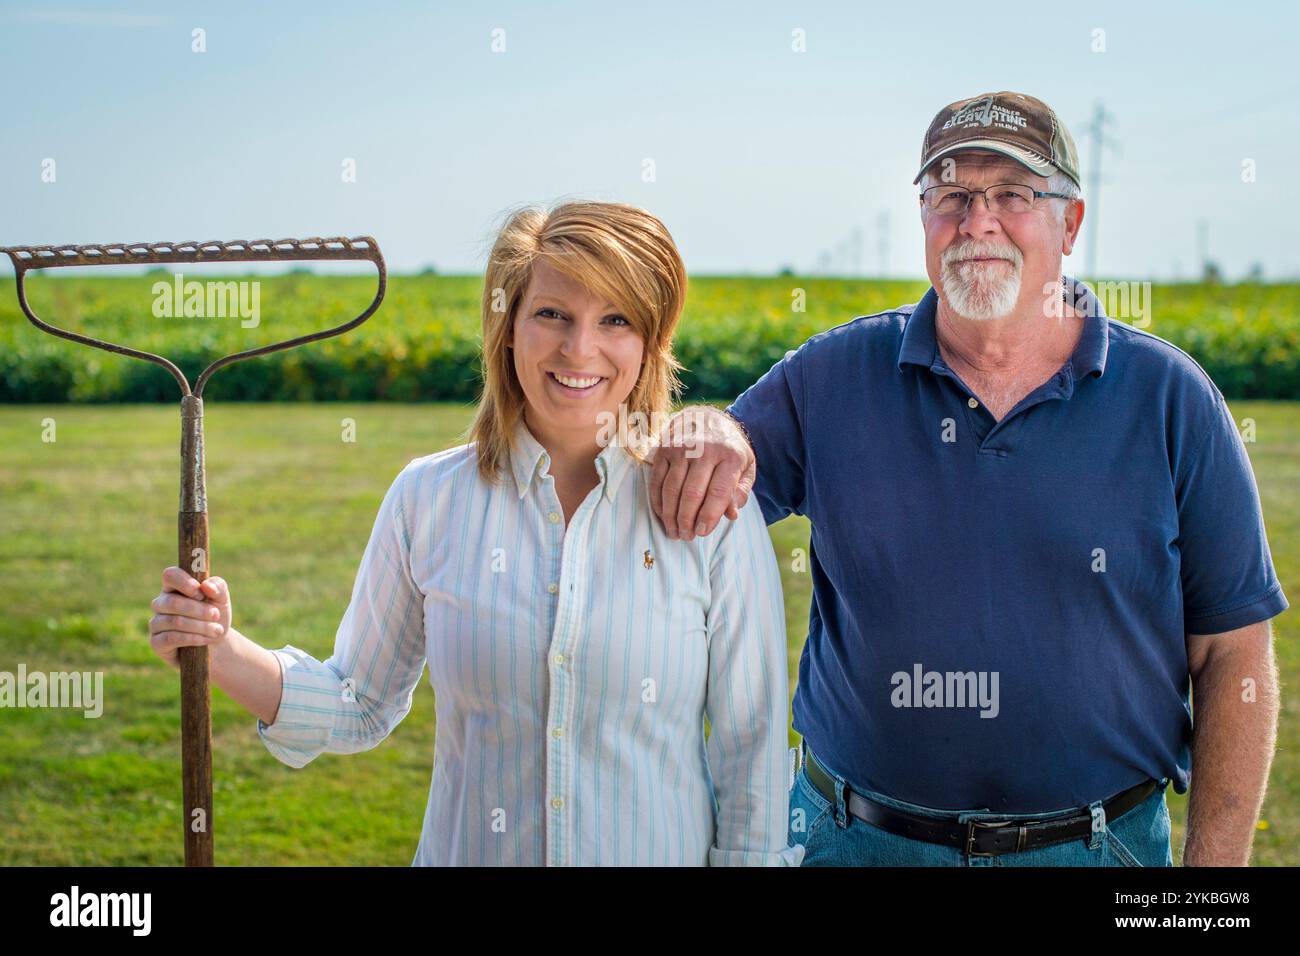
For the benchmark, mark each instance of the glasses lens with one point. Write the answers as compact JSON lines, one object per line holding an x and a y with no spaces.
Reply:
{"x":1011,"y":198}
{"x":947,"y":199}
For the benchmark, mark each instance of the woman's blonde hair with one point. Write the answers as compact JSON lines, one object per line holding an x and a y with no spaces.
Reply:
{"x":617,"y":251}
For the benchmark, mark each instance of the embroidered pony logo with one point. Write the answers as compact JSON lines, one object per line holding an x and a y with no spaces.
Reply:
{"x":648,"y":559}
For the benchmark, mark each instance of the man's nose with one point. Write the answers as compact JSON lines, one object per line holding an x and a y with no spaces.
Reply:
{"x":978,"y":218}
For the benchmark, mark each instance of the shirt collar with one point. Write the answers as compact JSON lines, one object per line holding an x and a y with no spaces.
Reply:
{"x":529,"y":460}
{"x":1090,"y":354}
{"x":921,"y":347}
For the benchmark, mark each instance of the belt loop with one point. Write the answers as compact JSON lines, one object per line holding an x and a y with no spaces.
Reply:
{"x":841,"y":806}
{"x":1098,"y":824}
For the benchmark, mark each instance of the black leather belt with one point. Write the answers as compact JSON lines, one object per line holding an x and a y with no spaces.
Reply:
{"x":975,"y":837}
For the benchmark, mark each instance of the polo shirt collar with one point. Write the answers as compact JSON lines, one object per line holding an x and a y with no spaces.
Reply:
{"x":529,"y":460}
{"x":920,"y":345}
{"x":1090,"y":354}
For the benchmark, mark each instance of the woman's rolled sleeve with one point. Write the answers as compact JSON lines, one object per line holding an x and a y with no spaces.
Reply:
{"x":353,"y":700}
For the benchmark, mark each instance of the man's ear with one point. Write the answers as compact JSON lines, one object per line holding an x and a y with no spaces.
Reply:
{"x":1073,"y":220}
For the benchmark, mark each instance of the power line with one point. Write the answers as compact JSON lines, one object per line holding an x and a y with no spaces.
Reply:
{"x":1237,"y":110}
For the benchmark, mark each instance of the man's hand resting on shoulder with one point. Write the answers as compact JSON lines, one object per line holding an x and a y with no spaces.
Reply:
{"x":703,"y":469}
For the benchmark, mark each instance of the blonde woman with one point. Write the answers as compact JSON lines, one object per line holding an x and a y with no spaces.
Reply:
{"x":575,"y":650}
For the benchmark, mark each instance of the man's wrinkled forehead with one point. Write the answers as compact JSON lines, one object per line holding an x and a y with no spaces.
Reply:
{"x":981,"y":163}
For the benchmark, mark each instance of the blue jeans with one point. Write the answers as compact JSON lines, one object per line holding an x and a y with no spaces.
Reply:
{"x":831,"y":836}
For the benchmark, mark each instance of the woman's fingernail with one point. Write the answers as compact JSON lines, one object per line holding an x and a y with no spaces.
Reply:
{"x":700,"y":530}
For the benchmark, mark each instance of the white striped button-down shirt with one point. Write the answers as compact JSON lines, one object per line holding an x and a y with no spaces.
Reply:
{"x":572,"y":670}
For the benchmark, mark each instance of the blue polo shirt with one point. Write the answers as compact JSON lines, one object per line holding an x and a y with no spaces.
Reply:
{"x":999,"y":607}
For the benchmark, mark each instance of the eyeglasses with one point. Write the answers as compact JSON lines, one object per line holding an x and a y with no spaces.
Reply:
{"x":1002,"y":199}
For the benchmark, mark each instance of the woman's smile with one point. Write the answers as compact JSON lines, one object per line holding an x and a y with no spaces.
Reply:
{"x":576,"y":386}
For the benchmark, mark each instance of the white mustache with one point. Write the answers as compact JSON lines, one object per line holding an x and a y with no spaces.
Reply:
{"x":981,"y":250}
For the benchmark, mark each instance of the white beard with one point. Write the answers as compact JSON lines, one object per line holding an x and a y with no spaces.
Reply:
{"x":973,"y":290}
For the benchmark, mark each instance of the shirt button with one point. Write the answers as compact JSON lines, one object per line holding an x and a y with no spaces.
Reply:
{"x":559,"y":658}
{"x":557,"y":803}
{"x":552,"y":587}
{"x":558,"y":732}
{"x":554,"y":517}
{"x":972,"y":403}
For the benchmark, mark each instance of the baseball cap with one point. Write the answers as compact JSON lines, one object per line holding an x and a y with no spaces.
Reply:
{"x":1013,"y":124}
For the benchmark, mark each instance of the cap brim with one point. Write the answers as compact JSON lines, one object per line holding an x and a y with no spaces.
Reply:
{"x":1032,"y":161}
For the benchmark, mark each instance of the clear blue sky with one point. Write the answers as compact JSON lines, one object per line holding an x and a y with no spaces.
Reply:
{"x":763,"y":157}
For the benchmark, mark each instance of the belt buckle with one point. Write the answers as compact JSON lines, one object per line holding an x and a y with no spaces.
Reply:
{"x":972,"y":825}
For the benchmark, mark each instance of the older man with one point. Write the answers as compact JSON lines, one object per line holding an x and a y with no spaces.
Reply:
{"x":1032,"y":528}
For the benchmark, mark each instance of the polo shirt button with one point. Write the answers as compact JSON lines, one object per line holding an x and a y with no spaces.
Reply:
{"x":552,"y":587}
{"x":972,"y":403}
{"x":557,"y":803}
{"x":554,"y":517}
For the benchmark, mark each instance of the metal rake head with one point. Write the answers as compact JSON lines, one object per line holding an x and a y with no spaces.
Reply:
{"x":32,"y":258}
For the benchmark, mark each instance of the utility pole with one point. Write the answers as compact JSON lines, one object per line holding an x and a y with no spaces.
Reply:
{"x":1095,"y":130}
{"x":883,"y":224}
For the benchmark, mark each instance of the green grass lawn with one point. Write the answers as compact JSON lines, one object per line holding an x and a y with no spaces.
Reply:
{"x":88,"y":522}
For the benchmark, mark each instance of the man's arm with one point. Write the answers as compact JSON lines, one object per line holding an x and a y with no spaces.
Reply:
{"x":1235,"y":710}
{"x":747,"y":702}
{"x":703,"y":468}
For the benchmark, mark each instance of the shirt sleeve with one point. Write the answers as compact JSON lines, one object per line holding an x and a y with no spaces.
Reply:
{"x":769,"y":412}
{"x":1227,"y":572}
{"x":352,"y":701}
{"x":747,"y":700}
